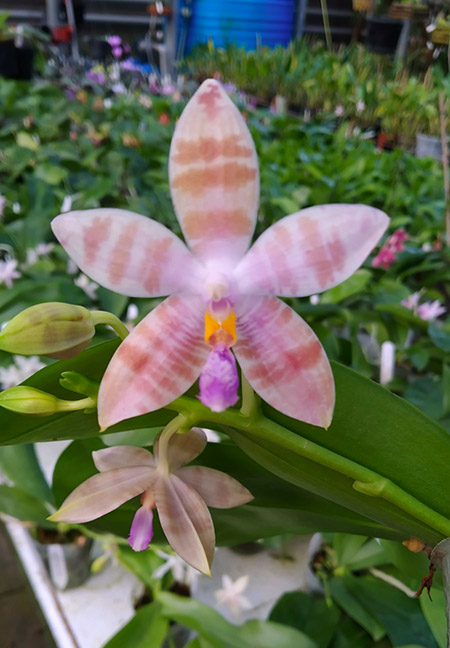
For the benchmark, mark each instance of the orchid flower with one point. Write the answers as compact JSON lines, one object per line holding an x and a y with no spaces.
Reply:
{"x":220,"y":296}
{"x":180,"y":494}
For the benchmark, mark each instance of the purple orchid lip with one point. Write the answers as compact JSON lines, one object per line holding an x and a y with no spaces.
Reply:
{"x":141,"y":532}
{"x":219,"y":380}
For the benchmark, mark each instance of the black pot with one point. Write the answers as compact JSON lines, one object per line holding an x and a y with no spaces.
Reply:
{"x":382,"y":34}
{"x":16,"y":62}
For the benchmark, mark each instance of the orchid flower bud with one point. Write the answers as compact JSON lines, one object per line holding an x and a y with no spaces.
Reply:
{"x":52,"y":329}
{"x":28,"y":400}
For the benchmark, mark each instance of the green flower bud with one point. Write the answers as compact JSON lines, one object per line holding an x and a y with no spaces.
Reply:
{"x":52,"y":329}
{"x":28,"y":400}
{"x":80,"y":384}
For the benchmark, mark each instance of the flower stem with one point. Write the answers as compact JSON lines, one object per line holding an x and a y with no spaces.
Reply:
{"x":75,"y":405}
{"x":103,"y":317}
{"x":171,"y":428}
{"x":250,"y":404}
{"x":264,"y":435}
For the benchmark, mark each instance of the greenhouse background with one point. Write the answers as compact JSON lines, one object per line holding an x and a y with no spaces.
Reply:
{"x":300,"y":434}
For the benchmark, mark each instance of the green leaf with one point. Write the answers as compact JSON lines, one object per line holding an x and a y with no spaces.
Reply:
{"x":314,"y":616}
{"x":352,"y":606}
{"x":434,"y":612}
{"x":222,"y":634}
{"x":401,"y":616}
{"x":23,"y":506}
{"x":147,"y":629}
{"x":351,"y":286}
{"x":440,"y":337}
{"x":20,"y":464}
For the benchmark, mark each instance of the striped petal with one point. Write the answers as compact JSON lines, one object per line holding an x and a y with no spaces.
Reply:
{"x":121,"y":457}
{"x":126,"y":252}
{"x":182,"y":448}
{"x":215,"y":487}
{"x":214,"y":175}
{"x":103,"y":493}
{"x":186,"y":522}
{"x":160,"y":359}
{"x":311,"y":250}
{"x":283,"y":360}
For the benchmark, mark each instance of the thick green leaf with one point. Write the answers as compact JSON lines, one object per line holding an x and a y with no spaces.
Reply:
{"x":20,"y":464}
{"x":147,"y":629}
{"x":353,"y":606}
{"x":23,"y":506}
{"x":222,"y":634}
{"x":351,"y":286}
{"x":314,"y":616}
{"x":434,"y":612}
{"x":400,"y":615}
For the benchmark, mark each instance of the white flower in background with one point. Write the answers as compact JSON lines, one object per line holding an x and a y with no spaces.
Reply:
{"x":360,"y":106}
{"x":22,"y":369}
{"x":89,"y":287}
{"x":132,"y":312}
{"x":8,"y":272}
{"x":232,"y":597}
{"x":2,"y":205}
{"x":427,"y":247}
{"x":107,"y":103}
{"x":67,"y":204}
{"x":145,"y":101}
{"x":314,"y":299}
{"x":118,"y":88}
{"x":16,"y":207}
{"x":339,"y":111}
{"x":41,"y":250}
{"x":181,"y":571}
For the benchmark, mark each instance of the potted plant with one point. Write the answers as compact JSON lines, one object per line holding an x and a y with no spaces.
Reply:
{"x":382,"y":31}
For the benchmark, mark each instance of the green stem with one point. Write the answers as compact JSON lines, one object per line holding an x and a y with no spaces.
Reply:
{"x":103,"y":317}
{"x":365,"y":481}
{"x":250,"y":404}
{"x":171,"y":428}
{"x":75,"y":405}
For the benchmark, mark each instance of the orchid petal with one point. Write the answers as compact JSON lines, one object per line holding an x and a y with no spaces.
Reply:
{"x":141,"y":532}
{"x":186,"y":522}
{"x":126,"y":252}
{"x":310,"y":251}
{"x":283,"y":360}
{"x":160,"y":359}
{"x":214,"y":176}
{"x":103,"y":493}
{"x":121,"y":457}
{"x":215,"y":487}
{"x":182,"y":448}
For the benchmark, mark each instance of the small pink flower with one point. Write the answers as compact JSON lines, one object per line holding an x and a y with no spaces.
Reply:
{"x":412,"y":302}
{"x":385,"y":258}
{"x":430,"y":310}
{"x":181,"y":494}
{"x":117,"y":52}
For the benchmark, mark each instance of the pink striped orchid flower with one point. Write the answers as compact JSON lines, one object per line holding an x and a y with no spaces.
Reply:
{"x":181,"y":494}
{"x":220,"y":295}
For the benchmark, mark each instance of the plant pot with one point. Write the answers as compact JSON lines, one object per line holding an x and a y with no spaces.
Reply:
{"x":16,"y":62}
{"x":382,"y":34}
{"x":429,"y":146}
{"x":67,"y":558}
